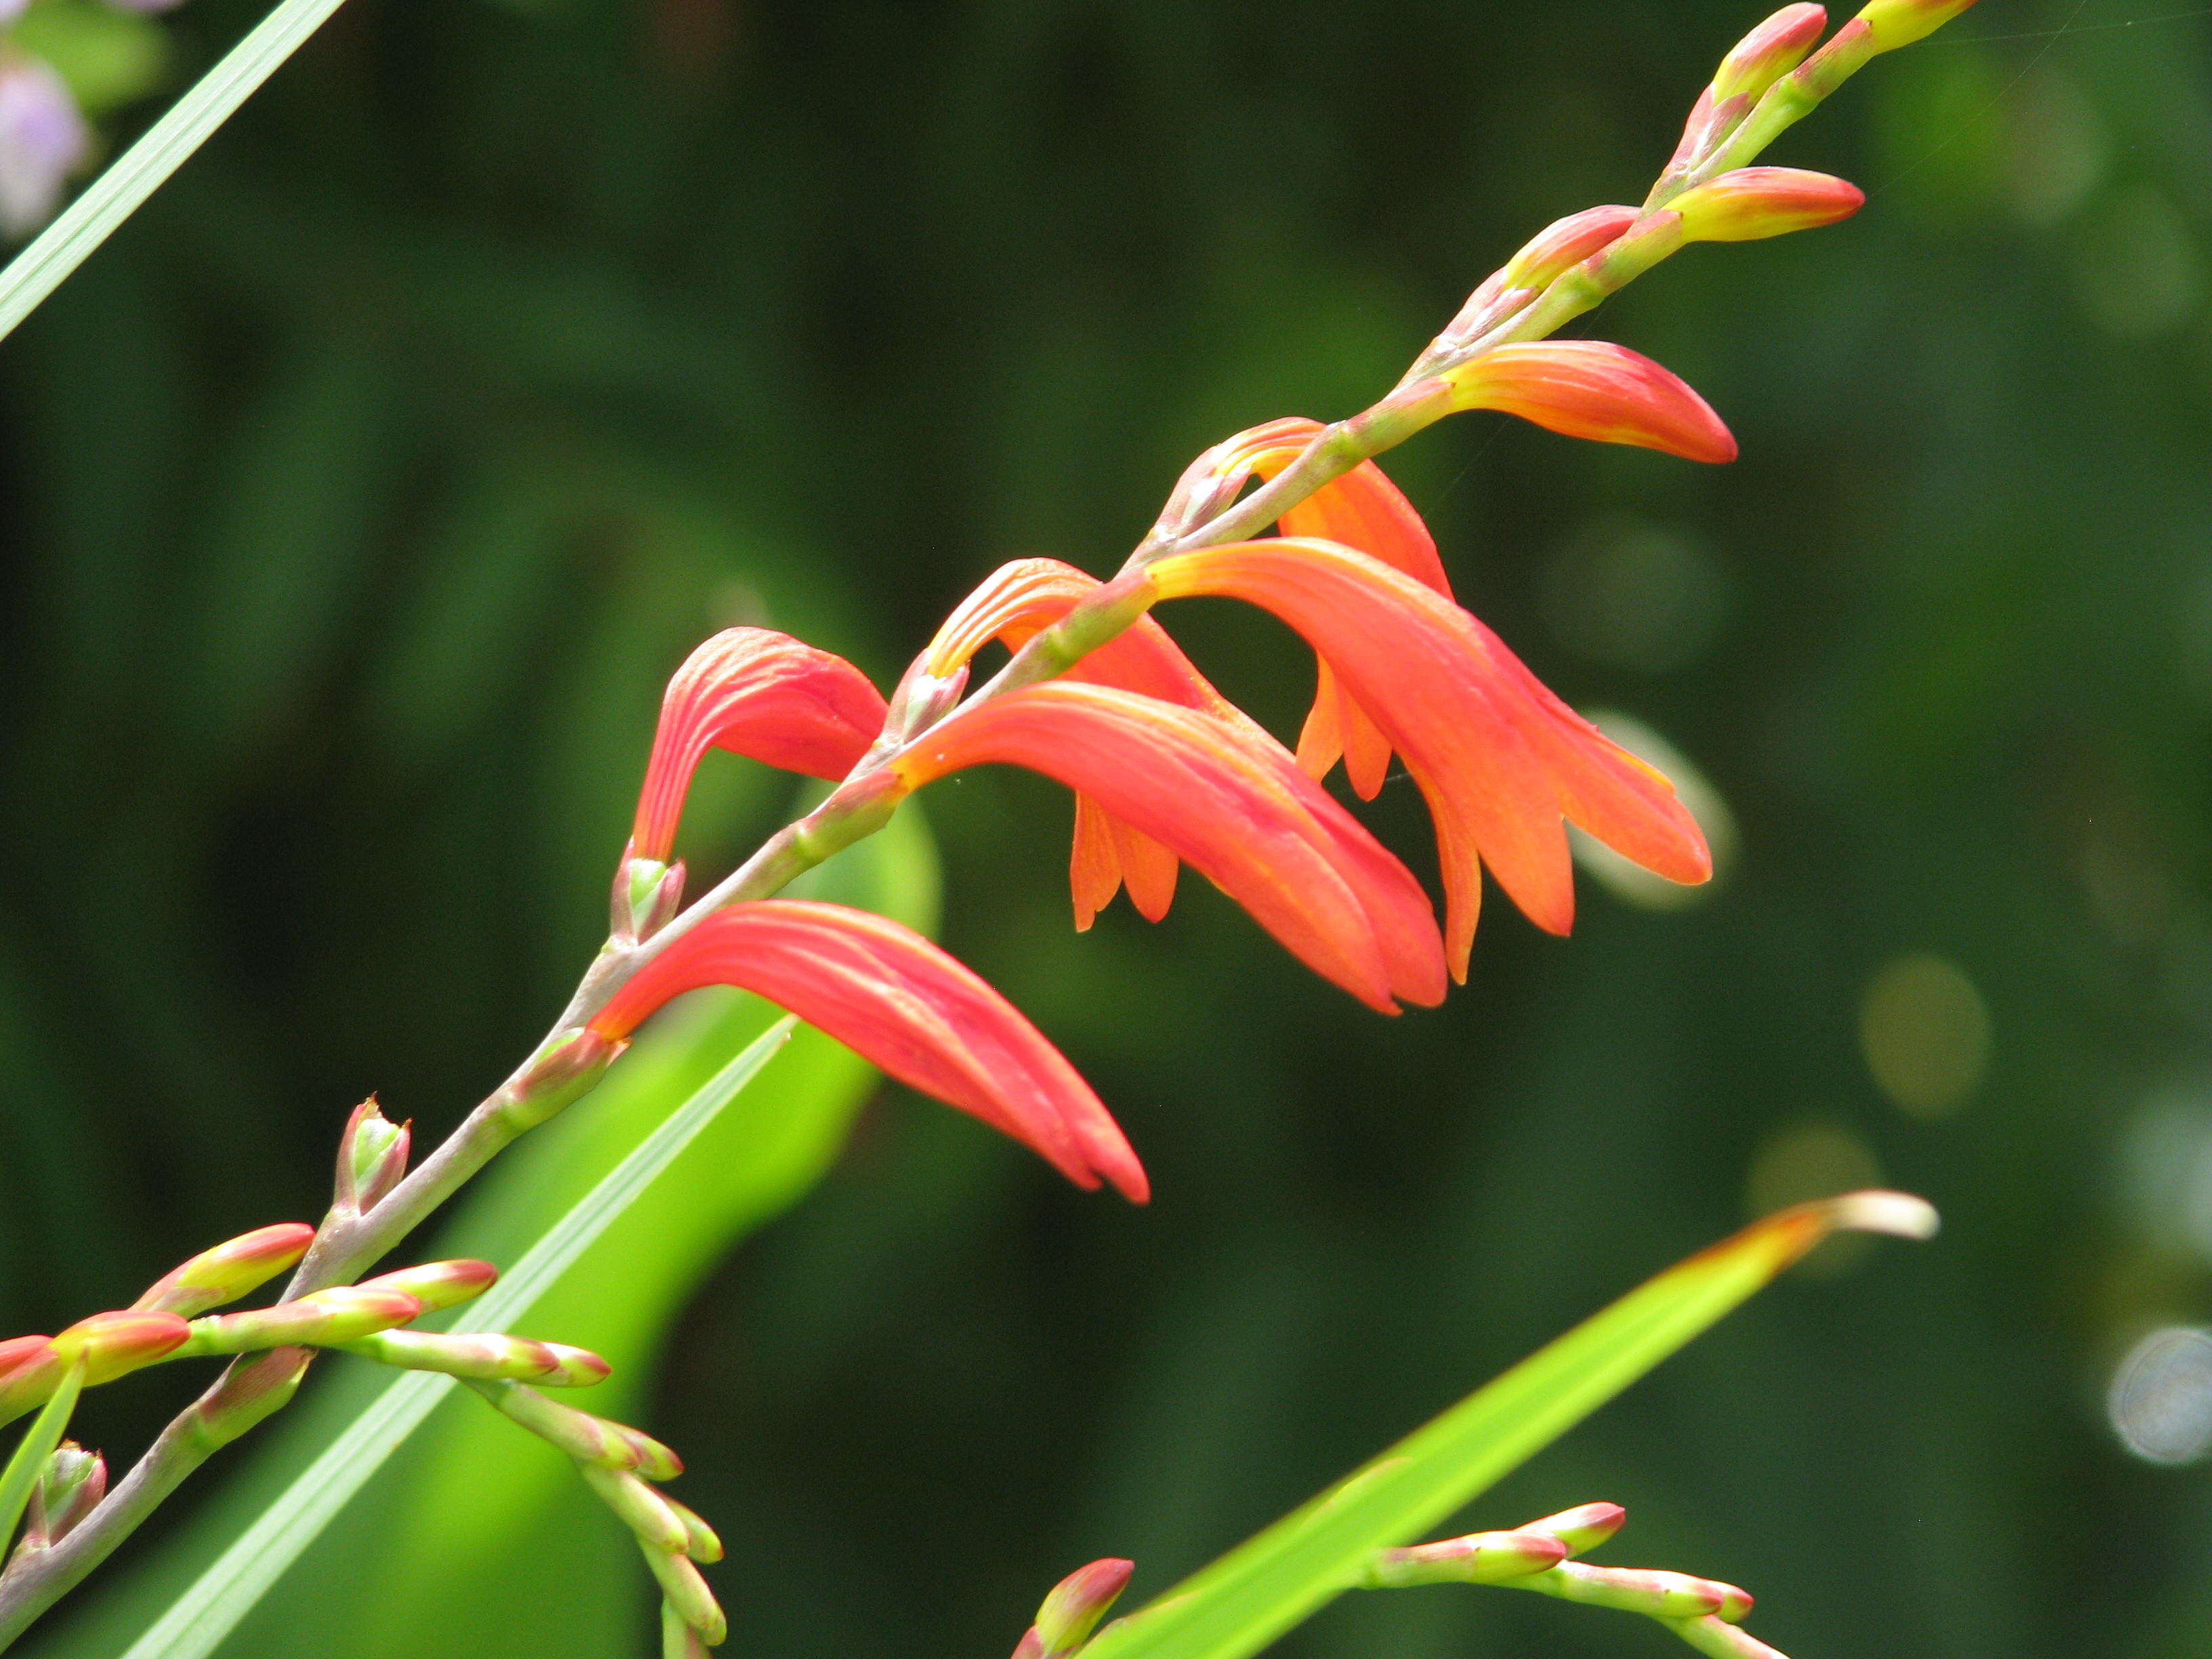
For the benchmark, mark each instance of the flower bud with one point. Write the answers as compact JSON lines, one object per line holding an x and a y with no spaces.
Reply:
{"x":1768,"y":52}
{"x":1569,"y":241}
{"x":249,"y":1392}
{"x":587,"y":1438}
{"x":69,"y":1487}
{"x":1900,"y":22}
{"x":1636,"y":1590}
{"x":686,"y":1594}
{"x":112,"y":1344}
{"x":485,"y":1355}
{"x":438,"y":1285}
{"x":700,"y":1541}
{"x":647,"y":895}
{"x":1075,"y":1605}
{"x":226,"y":1271}
{"x":372,"y":1158}
{"x":1583,"y":1528}
{"x":1481,"y":1558}
{"x":344,"y":1313}
{"x":640,"y":1507}
{"x":1751,"y":203}
{"x":558,"y":1073}
{"x":29,"y":1367}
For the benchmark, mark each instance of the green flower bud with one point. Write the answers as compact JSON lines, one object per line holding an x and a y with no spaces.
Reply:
{"x":438,"y":1285}
{"x":372,"y":1158}
{"x":1075,"y":1605}
{"x":229,"y":1271}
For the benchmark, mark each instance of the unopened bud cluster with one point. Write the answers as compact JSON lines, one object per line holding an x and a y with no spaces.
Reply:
{"x":1539,"y":1556}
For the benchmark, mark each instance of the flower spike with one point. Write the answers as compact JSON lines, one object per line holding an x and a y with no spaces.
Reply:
{"x":1239,"y":812}
{"x":762,"y":695}
{"x":899,"y":1001}
{"x":1500,"y":759}
{"x":1594,"y":389}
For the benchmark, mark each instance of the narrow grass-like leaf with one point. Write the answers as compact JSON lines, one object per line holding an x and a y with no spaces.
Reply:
{"x":1243,"y":1602}
{"x":113,"y":196}
{"x":33,"y":1450}
{"x":207,"y":1612}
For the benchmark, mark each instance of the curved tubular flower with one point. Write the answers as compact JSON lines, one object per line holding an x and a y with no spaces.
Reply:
{"x":1500,"y":759}
{"x":762,"y":695}
{"x":1240,"y":812}
{"x":1362,"y":509}
{"x":1016,"y":602}
{"x":1593,"y":389}
{"x":900,"y":1002}
{"x":1753,"y":203}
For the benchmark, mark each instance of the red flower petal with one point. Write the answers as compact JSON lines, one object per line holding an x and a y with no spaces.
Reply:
{"x":762,"y":695}
{"x":900,"y":1002}
{"x":1239,"y":811}
{"x":1499,"y":758}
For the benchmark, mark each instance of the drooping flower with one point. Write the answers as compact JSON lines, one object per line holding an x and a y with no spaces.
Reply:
{"x":1593,"y":389}
{"x":902,"y":1003}
{"x":1239,"y":811}
{"x":1362,"y":509}
{"x":1500,"y":760}
{"x":762,"y":695}
{"x":1017,"y":601}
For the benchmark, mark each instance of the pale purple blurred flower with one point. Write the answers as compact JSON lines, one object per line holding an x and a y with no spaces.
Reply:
{"x":10,"y":10}
{"x":43,"y":140}
{"x":128,"y":5}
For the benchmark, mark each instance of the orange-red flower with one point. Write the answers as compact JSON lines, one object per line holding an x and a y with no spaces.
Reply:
{"x":1593,"y":389}
{"x":900,"y":1002}
{"x":1500,"y":760}
{"x":1362,"y":509}
{"x":762,"y":695}
{"x":1016,"y":602}
{"x":1238,"y":811}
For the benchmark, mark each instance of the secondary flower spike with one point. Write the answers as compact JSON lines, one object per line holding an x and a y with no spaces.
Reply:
{"x":1500,"y":760}
{"x":899,"y":1001}
{"x":1239,"y":812}
{"x":1594,"y":389}
{"x":762,"y":695}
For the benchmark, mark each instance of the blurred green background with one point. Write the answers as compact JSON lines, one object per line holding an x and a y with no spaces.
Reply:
{"x":361,"y":492}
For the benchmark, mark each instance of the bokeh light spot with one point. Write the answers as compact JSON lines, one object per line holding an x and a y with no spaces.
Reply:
{"x":1630,"y":594}
{"x":2161,"y":1400}
{"x":1924,"y":1030}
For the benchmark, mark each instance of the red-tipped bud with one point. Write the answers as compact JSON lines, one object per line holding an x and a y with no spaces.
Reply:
{"x":1900,"y":22}
{"x":1752,"y":203}
{"x":226,"y":1271}
{"x":372,"y":1158}
{"x":1567,"y":242}
{"x":647,"y":895}
{"x":1594,"y":389}
{"x":1583,"y":1528}
{"x":438,"y":1285}
{"x":345,"y":1313}
{"x":762,"y":695}
{"x":1481,"y":1558}
{"x":29,"y":1367}
{"x":701,"y":1542}
{"x":71,"y":1485}
{"x":113,"y":1344}
{"x":487,"y":1357}
{"x":588,"y":1439}
{"x":1637,"y":1589}
{"x":686,"y":1594}
{"x":640,"y":1507}
{"x":1075,"y":1605}
{"x":558,"y":1073}
{"x":1769,"y":52}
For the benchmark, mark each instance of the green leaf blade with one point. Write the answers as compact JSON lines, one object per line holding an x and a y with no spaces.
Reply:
{"x":1240,"y":1603}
